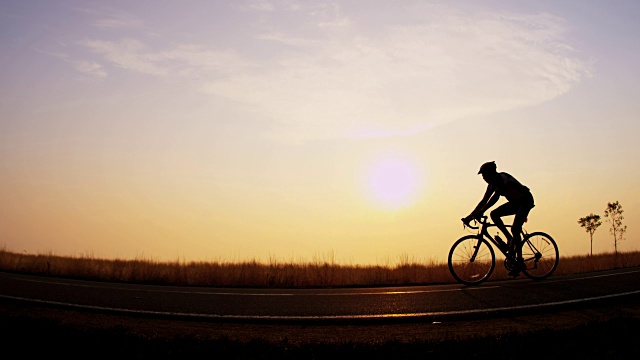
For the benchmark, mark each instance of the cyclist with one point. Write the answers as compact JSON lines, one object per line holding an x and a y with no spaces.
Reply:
{"x":519,"y":203}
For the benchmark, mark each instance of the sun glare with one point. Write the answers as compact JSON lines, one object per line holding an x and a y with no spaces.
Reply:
{"x":393,"y":182}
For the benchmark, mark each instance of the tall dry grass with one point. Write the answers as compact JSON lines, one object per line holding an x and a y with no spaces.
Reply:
{"x":274,"y":273}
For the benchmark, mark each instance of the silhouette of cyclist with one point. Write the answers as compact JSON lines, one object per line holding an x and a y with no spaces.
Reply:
{"x":519,"y":203}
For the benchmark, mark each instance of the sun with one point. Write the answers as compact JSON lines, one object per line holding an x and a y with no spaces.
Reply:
{"x":393,"y":182}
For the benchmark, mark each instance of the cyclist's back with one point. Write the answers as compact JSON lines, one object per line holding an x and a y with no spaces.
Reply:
{"x":507,"y":186}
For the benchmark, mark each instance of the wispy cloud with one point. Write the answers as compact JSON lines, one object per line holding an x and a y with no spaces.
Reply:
{"x":129,"y":54}
{"x":413,"y":78}
{"x":119,"y":23}
{"x":109,"y":18}
{"x":133,"y":55}
{"x":91,"y":68}
{"x":286,"y":39}
{"x":342,"y":79}
{"x":255,"y":5}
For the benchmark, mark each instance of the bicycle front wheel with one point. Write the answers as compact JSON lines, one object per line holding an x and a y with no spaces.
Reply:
{"x":471,"y":260}
{"x":540,"y":255}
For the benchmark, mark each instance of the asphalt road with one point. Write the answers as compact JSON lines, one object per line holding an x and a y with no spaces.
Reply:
{"x":435,"y":302}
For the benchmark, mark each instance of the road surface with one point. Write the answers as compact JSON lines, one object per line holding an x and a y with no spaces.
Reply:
{"x":433,"y":302}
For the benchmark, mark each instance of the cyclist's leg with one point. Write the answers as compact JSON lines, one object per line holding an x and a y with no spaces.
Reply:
{"x":497,"y":214}
{"x":522,"y":212}
{"x":516,"y":228}
{"x":505,"y":210}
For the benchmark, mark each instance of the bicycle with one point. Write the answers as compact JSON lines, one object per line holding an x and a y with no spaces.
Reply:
{"x":472,"y":258}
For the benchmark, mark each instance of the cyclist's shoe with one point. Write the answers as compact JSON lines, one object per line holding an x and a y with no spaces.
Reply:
{"x":514,"y":272}
{"x":519,"y":266}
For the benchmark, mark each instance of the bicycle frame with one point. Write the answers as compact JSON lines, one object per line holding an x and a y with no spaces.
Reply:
{"x":501,"y":245}
{"x":498,"y":243}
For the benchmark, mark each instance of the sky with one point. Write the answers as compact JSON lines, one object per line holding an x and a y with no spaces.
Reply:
{"x":310,"y":131}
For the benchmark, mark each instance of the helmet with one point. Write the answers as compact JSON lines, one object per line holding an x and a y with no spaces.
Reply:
{"x":488,"y":167}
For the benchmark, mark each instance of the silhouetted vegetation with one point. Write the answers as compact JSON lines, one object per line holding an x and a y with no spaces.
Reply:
{"x":273,"y":274}
{"x":591,"y":223}
{"x":613,"y":213}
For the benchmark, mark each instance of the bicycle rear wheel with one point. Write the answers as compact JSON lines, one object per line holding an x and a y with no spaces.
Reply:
{"x":540,"y":254}
{"x":471,"y":260}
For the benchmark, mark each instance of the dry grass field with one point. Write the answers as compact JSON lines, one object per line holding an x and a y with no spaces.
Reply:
{"x":274,"y":274}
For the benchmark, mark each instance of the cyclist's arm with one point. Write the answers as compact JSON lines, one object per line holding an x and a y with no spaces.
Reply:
{"x":492,"y":201}
{"x":490,"y":197}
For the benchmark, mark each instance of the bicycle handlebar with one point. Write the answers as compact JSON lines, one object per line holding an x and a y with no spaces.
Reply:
{"x":482,"y":220}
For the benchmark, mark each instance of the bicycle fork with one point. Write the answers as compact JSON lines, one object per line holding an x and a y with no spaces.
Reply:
{"x":476,"y":249}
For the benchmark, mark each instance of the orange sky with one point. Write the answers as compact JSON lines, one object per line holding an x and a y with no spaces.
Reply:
{"x":298,"y":132}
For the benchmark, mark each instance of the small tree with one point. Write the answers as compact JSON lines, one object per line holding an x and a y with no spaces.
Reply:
{"x":613,"y":213}
{"x":591,"y":223}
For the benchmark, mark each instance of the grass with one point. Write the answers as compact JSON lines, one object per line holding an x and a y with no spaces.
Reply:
{"x":273,"y":274}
